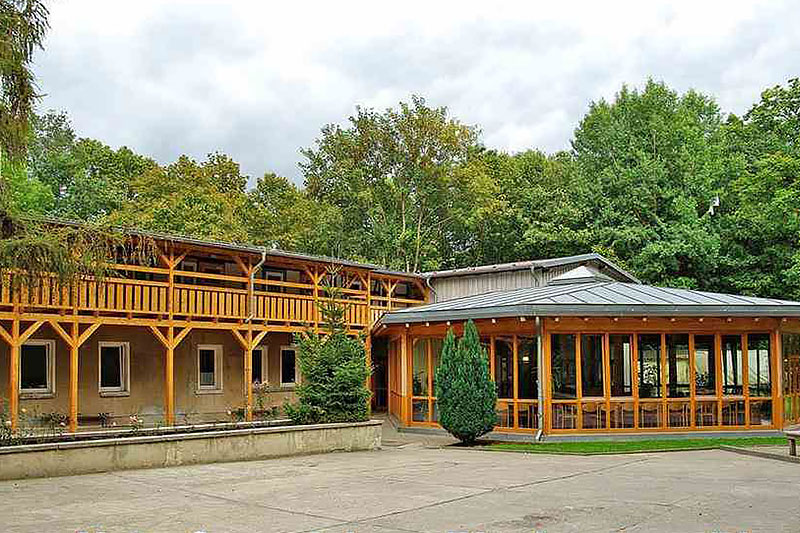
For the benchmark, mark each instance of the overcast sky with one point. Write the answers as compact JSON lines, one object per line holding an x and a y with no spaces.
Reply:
{"x":257,"y":80}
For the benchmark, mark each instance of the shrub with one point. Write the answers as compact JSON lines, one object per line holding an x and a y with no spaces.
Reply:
{"x":464,"y":390}
{"x":333,"y":371}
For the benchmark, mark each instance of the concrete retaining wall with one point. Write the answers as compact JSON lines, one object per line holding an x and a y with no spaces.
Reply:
{"x":83,"y":457}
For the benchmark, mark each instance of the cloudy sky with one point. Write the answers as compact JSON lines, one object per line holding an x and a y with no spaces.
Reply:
{"x":257,"y":80}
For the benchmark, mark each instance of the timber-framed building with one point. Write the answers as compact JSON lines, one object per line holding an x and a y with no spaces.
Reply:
{"x":575,"y":344}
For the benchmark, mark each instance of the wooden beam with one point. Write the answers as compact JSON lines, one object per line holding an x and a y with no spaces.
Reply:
{"x":169,"y":378}
{"x":240,"y":338}
{"x":6,"y":335}
{"x":88,"y":333}
{"x":30,"y":331}
{"x":160,"y":336}
{"x":180,"y":336}
{"x":61,"y":332}
{"x":259,"y":337}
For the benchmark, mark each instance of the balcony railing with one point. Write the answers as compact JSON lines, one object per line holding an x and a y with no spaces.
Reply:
{"x":211,"y":297}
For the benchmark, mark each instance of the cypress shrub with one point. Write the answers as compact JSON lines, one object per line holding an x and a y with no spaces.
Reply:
{"x":464,"y":390}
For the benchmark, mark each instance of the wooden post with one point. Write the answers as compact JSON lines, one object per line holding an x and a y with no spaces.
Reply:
{"x":73,"y":378}
{"x":405,"y":377}
{"x":368,"y":357}
{"x":745,"y":366}
{"x":248,"y":375}
{"x":169,"y":378}
{"x":13,"y":376}
{"x":579,"y":379}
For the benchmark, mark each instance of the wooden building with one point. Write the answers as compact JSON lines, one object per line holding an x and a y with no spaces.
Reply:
{"x":183,"y":341}
{"x":590,"y":353}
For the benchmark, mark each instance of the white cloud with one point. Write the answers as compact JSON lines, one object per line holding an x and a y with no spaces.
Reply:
{"x":258,"y":80}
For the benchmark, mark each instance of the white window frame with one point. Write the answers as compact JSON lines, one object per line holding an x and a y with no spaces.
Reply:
{"x":125,"y":368}
{"x":292,"y":348}
{"x":264,"y":373}
{"x":217,"y":387}
{"x":50,"y":391}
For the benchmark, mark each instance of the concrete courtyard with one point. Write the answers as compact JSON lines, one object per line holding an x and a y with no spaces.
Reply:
{"x":416,"y":487}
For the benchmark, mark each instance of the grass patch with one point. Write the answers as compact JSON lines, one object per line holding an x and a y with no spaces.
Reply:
{"x":595,"y":447}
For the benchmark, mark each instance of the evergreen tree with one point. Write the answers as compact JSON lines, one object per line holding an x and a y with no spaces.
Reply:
{"x":464,"y":390}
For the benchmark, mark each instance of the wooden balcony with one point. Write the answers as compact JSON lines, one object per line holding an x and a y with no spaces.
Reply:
{"x":182,"y":295}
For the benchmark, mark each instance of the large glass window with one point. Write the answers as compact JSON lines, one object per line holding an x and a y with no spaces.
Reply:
{"x":620,"y":363}
{"x":592,"y":365}
{"x":758,"y":371}
{"x":562,"y":366}
{"x":504,"y":368}
{"x":528,"y":369}
{"x":732,"y":364}
{"x":678,"y":366}
{"x":420,"y":379}
{"x":650,"y":366}
{"x":705,"y":368}
{"x":436,"y":352}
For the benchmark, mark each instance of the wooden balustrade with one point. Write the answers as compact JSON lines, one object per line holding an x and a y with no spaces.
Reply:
{"x":227,"y":299}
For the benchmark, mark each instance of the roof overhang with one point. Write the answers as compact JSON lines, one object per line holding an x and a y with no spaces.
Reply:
{"x":410,"y":316}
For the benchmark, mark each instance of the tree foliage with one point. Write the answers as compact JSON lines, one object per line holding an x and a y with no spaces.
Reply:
{"x":465,"y":393}
{"x":412,"y":188}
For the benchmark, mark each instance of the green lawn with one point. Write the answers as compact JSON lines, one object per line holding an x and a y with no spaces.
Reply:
{"x":632,"y":446}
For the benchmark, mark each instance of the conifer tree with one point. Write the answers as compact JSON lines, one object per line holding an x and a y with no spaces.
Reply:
{"x":464,"y":390}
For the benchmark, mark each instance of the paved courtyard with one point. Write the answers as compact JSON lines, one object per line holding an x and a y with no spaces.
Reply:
{"x":413,"y":487}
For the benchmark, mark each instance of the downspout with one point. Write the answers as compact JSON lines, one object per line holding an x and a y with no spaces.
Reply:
{"x":252,"y":284}
{"x":428,"y":284}
{"x":540,"y":379}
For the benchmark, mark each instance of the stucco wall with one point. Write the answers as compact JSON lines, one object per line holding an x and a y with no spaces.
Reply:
{"x":146,"y":396}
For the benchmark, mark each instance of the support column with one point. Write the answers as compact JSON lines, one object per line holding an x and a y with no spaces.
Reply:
{"x":248,"y":376}
{"x":13,"y":376}
{"x":73,"y":380}
{"x":370,"y":382}
{"x":169,"y":378}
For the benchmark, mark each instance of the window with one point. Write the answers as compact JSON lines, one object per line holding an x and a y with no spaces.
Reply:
{"x":592,"y":365}
{"x":650,"y":366}
{"x":562,"y":353}
{"x":504,"y":367}
{"x":528,"y":369}
{"x":420,"y":379}
{"x":732,"y":364}
{"x":705,"y":368}
{"x":678,"y":366}
{"x":436,"y":352}
{"x":209,"y":368}
{"x":37,"y":368}
{"x":620,"y":363}
{"x":114,"y":368}
{"x":758,"y":373}
{"x":288,"y":365}
{"x":259,"y":365}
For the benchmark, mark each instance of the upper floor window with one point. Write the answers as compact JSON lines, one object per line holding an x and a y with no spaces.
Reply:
{"x":37,"y":368}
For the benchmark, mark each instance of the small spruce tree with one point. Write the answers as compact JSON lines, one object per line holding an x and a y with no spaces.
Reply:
{"x":464,"y":390}
{"x":333,"y":369}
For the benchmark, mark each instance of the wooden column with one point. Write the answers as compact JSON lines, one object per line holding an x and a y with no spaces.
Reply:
{"x":169,"y":378}
{"x":405,"y":377}
{"x":13,"y":376}
{"x":170,"y":341}
{"x":248,"y":376}
{"x":73,"y":378}
{"x":368,"y":357}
